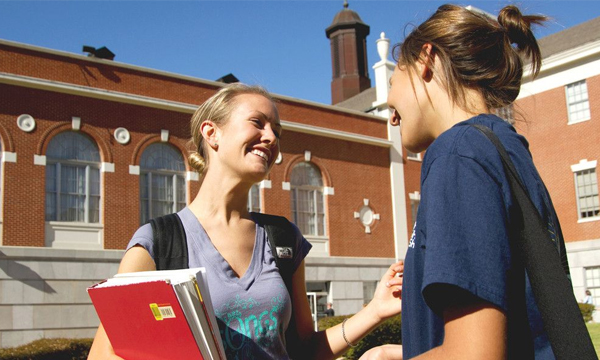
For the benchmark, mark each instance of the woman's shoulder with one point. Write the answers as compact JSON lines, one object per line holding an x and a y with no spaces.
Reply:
{"x":465,"y":140}
{"x":143,"y":236}
{"x":277,"y":221}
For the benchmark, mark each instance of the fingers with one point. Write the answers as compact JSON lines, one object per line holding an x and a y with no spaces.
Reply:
{"x":395,"y":276}
{"x":395,"y":269}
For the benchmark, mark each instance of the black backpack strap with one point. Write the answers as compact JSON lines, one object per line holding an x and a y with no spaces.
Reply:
{"x":282,"y":238}
{"x":283,"y":241}
{"x":551,"y":287}
{"x":170,"y":243}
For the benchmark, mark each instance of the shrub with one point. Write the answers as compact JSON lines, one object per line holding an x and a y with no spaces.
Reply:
{"x":389,"y":332}
{"x":46,"y":349}
{"x":586,"y":311}
{"x":331,"y":321}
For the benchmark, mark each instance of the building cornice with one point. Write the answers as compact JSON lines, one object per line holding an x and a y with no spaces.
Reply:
{"x":564,"y":58}
{"x":563,"y":68}
{"x":126,"y":98}
{"x":174,"y":76}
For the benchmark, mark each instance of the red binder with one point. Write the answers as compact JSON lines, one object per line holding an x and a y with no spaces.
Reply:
{"x":159,"y":315}
{"x":145,"y":321}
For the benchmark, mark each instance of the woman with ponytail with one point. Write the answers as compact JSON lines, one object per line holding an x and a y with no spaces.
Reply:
{"x":465,"y":293}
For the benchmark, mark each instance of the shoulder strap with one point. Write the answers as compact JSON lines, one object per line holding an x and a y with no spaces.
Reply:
{"x":170,"y":243}
{"x":551,"y":287}
{"x":282,"y":238}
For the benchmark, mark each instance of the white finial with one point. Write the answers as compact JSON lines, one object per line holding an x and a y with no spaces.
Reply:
{"x":383,"y":47}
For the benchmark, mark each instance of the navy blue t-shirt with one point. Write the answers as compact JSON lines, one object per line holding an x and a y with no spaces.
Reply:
{"x":460,"y":239}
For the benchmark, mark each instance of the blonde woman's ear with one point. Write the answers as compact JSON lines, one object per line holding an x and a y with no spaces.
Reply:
{"x":209,"y":132}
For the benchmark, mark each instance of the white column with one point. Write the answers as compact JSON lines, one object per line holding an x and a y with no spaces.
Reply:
{"x":383,"y":71}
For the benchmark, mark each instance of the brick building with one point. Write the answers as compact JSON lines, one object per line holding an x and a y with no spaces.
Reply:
{"x":561,"y":109}
{"x":92,"y":148}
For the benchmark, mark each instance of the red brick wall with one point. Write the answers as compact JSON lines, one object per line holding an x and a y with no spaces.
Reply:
{"x":556,"y":146}
{"x":102,"y":74}
{"x":24,"y":182}
{"x":356,"y":171}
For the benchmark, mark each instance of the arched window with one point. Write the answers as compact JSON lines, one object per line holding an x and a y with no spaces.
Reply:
{"x":73,"y":179}
{"x":162,"y":187}
{"x":254,"y":198}
{"x":308,"y":210}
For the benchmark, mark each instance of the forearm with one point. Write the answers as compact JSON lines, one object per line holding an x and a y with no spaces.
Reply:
{"x":330,"y":344}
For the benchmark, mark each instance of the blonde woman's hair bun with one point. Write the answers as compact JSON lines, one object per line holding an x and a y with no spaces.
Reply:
{"x":197,"y":162}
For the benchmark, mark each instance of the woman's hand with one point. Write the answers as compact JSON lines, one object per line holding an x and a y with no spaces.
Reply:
{"x":384,"y":352}
{"x":387,"y":300}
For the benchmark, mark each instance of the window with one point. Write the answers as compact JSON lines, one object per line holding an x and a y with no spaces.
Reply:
{"x":308,"y":210}
{"x":254,"y":199}
{"x":414,"y":207}
{"x":586,"y":185}
{"x":578,"y":105}
{"x":413,"y":156}
{"x":592,"y":283}
{"x":162,"y":187}
{"x":72,"y":179}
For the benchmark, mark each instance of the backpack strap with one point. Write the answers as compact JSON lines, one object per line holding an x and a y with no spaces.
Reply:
{"x":551,"y":287}
{"x":283,"y":241}
{"x":282,"y":238}
{"x":170,"y":243}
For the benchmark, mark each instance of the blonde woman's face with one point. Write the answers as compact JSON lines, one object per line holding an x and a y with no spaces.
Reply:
{"x":249,"y":139}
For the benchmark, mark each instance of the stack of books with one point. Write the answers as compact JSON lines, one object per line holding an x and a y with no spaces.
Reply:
{"x":159,"y":315}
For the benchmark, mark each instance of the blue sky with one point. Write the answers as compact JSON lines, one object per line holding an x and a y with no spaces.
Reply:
{"x":279,"y":44}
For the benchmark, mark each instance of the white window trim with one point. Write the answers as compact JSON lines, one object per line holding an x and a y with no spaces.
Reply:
{"x":39,"y":160}
{"x":86,"y":209}
{"x":315,"y":214}
{"x":265,"y":184}
{"x":415,"y":195}
{"x":173,"y":175}
{"x":590,"y":219}
{"x":569,"y":121}
{"x":191,"y":176}
{"x":134,"y":170}
{"x":417,"y":156}
{"x":260,"y":197}
{"x":583,"y":165}
{"x":9,"y":157}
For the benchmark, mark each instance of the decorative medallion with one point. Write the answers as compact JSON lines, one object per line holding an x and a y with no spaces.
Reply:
{"x":26,"y":123}
{"x":122,"y":135}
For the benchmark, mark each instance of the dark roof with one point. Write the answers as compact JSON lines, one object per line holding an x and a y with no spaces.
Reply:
{"x":346,"y":19}
{"x":361,"y":102}
{"x":570,"y":38}
{"x":346,"y":16}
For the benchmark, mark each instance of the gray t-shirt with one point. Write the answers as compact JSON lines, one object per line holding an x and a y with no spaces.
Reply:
{"x":253,"y":311}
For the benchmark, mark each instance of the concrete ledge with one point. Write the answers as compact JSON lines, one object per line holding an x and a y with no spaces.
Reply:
{"x":349,"y":261}
{"x":39,"y":253}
